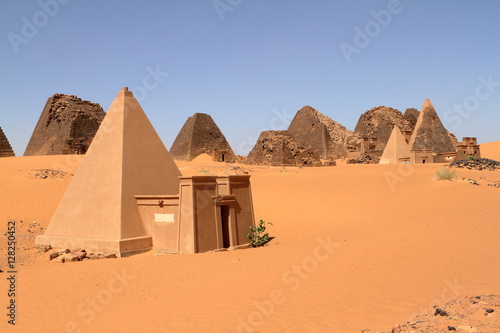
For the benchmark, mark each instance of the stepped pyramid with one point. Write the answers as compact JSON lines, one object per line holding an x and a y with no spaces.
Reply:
{"x":127,"y":158}
{"x":397,"y":149}
{"x":5,"y":148}
{"x":67,"y":125}
{"x":314,"y":130}
{"x":199,"y":135}
{"x":430,"y":137}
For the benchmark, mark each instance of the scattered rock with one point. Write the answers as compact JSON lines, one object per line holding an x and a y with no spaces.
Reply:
{"x":46,"y":174}
{"x":469,"y":329}
{"x":489,"y":310}
{"x":451,"y":328}
{"x":54,"y":255}
{"x":440,"y":312}
{"x":108,"y":256}
{"x":363,"y":159}
{"x":470,"y":181}
{"x":477,"y":164}
{"x":43,"y":248}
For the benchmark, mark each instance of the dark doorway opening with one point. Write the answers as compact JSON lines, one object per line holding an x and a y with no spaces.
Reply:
{"x":222,"y":157}
{"x":224,"y":214}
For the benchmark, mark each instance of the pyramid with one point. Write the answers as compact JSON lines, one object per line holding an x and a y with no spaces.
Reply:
{"x":127,"y":158}
{"x":429,"y":132}
{"x":397,"y":149}
{"x":67,"y":125}
{"x":312,"y":129}
{"x":201,"y":135}
{"x":5,"y":148}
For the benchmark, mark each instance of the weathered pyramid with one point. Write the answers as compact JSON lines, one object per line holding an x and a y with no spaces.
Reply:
{"x":397,"y":149}
{"x":127,"y":158}
{"x":67,"y":125}
{"x":201,"y":135}
{"x":331,"y":140}
{"x":279,"y":148}
{"x":5,"y":148}
{"x":429,"y":132}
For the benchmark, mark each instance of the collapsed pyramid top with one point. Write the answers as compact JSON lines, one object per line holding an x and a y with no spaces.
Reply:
{"x":126,"y":158}
{"x":429,"y":133}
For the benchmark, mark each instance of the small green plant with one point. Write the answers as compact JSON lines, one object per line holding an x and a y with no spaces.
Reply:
{"x":257,"y":236}
{"x":446,"y":174}
{"x":470,"y":158}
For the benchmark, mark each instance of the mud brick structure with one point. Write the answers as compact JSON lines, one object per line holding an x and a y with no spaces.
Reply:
{"x":468,"y":148}
{"x":376,"y":125}
{"x":67,"y":125}
{"x":279,"y":148}
{"x":430,"y":141}
{"x":201,"y":135}
{"x":5,"y":147}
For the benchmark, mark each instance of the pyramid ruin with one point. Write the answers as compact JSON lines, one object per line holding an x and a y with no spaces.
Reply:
{"x":376,"y":125}
{"x":413,"y":113}
{"x":5,"y":148}
{"x":396,"y":150}
{"x":279,"y":148}
{"x":314,"y":130}
{"x":430,"y":141}
{"x":201,"y":135}
{"x":128,"y":196}
{"x":67,"y":125}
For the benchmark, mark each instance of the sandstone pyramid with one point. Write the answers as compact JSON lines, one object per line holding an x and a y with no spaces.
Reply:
{"x":279,"y":148}
{"x":429,"y":132}
{"x":413,"y":113}
{"x":201,"y":135}
{"x":5,"y":148}
{"x":127,"y":158}
{"x":397,"y":149}
{"x":330,"y":139}
{"x":377,"y":124}
{"x":67,"y":125}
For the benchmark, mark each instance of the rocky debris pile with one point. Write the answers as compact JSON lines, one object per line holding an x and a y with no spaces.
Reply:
{"x":363,"y":159}
{"x":46,"y":174}
{"x":279,"y":148}
{"x":470,"y":314}
{"x":64,"y":256}
{"x":477,"y":164}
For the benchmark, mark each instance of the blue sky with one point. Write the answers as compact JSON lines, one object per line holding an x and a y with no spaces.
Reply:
{"x":251,"y":64}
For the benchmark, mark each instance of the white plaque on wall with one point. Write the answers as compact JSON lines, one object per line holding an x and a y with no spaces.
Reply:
{"x":164,"y":218}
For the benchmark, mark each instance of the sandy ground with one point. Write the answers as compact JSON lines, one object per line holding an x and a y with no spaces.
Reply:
{"x":356,"y":247}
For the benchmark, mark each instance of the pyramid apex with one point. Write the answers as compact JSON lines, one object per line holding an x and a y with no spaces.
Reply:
{"x":125,"y":92}
{"x":427,"y":104}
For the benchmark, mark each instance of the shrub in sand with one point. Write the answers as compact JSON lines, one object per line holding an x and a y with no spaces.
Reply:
{"x":446,"y":174}
{"x":257,"y":236}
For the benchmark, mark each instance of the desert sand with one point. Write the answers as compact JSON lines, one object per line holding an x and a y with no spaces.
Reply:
{"x":355,"y":247}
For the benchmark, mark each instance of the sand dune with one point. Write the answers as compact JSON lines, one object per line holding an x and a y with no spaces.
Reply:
{"x":356,"y":247}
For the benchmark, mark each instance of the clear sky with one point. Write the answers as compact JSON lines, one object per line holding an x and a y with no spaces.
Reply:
{"x":251,"y":64}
